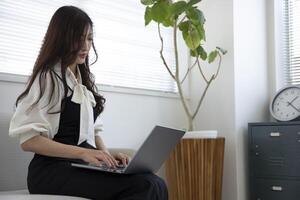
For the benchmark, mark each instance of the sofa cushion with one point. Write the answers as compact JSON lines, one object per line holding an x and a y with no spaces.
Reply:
{"x":24,"y":195}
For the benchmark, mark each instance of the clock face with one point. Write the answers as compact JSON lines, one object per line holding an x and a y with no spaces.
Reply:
{"x":286,"y":104}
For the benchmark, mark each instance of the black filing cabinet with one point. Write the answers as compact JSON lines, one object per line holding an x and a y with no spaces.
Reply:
{"x":274,"y":158}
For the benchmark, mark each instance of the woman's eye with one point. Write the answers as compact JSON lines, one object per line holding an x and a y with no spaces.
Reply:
{"x":90,"y":39}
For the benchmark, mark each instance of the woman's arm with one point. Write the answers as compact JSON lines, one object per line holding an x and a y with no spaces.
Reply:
{"x":100,"y":144}
{"x":44,"y":146}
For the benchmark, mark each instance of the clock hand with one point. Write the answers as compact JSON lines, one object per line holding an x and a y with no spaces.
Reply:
{"x":294,"y":99}
{"x":289,"y":104}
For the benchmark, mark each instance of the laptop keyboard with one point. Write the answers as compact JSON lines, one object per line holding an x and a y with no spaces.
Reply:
{"x":119,"y":168}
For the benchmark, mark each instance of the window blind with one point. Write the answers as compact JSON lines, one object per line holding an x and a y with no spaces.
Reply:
{"x":128,"y":51}
{"x":291,"y":41}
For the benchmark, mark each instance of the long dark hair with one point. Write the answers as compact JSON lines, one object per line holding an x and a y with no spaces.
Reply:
{"x":62,"y":43}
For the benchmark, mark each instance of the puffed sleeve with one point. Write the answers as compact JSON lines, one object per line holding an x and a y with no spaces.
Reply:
{"x":29,"y":121}
{"x":98,"y":126}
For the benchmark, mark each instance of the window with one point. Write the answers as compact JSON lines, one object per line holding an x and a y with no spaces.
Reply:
{"x":128,"y":51}
{"x":291,"y":41}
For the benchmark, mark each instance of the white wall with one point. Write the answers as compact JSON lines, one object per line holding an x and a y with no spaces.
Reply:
{"x":129,"y":118}
{"x":217,"y":111}
{"x":240,"y":94}
{"x":251,"y":78}
{"x":276,"y":45}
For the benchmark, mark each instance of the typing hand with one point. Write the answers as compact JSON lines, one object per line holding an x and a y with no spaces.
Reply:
{"x":95,"y":157}
{"x":122,"y":158}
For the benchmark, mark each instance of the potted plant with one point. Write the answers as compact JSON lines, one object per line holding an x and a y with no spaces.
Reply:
{"x":184,"y":17}
{"x":194,"y":169}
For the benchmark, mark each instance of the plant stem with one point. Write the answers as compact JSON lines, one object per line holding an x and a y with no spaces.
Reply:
{"x":161,"y":53}
{"x":176,"y":49}
{"x":202,"y":97}
{"x":186,"y":109}
{"x":190,"y":116}
{"x":187,"y":72}
{"x":177,"y":79}
{"x":219,"y":66}
{"x":200,"y":69}
{"x":182,"y":19}
{"x":213,"y":77}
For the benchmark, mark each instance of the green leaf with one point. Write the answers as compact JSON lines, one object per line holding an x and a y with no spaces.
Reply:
{"x":199,"y":52}
{"x":223,"y":51}
{"x":178,"y":8}
{"x":192,"y":2}
{"x":202,"y":52}
{"x":212,"y":56}
{"x":168,"y":22}
{"x":196,"y":16}
{"x":160,"y":11}
{"x":148,"y":17}
{"x":194,"y":53}
{"x":201,"y":31}
{"x":192,"y":37}
{"x":148,"y":2}
{"x":184,"y":26}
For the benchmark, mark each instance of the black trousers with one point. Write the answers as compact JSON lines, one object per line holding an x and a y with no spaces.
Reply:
{"x":48,"y":175}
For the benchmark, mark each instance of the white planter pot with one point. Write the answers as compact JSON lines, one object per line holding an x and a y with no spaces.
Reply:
{"x":201,"y":134}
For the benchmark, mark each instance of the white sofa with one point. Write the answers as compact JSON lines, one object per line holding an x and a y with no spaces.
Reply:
{"x":14,"y":164}
{"x":24,"y":195}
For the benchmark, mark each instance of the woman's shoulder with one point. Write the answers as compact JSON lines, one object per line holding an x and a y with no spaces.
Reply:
{"x":46,"y":85}
{"x":45,"y":80}
{"x":47,"y":74}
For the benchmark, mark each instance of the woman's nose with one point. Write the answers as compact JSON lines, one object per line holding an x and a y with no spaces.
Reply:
{"x":85,"y":45}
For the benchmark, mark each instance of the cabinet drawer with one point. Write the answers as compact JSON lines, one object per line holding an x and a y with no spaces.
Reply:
{"x":265,"y":189}
{"x":276,"y":138}
{"x":276,"y":166}
{"x":275,"y":150}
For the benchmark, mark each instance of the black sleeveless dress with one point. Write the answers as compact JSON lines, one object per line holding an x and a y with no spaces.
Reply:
{"x":53,"y":175}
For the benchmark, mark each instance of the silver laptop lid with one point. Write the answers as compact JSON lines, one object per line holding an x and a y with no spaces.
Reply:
{"x":155,"y":150}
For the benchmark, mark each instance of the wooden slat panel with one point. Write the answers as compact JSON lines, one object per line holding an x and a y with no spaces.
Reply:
{"x":194,"y":169}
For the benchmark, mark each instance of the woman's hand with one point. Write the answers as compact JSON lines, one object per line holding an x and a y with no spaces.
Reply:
{"x":122,"y":158}
{"x":95,"y":157}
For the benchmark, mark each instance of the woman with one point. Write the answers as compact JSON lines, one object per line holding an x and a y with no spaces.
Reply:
{"x":58,"y":118}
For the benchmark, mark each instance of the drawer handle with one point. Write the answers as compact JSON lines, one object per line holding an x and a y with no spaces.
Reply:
{"x":277,"y":188}
{"x":275,"y":134}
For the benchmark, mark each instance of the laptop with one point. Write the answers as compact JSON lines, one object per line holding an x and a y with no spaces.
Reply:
{"x":151,"y":154}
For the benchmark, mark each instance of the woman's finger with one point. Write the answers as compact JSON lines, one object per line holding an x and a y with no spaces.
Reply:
{"x":104,"y":159}
{"x":114,"y":160}
{"x":111,"y":158}
{"x":124,"y":161}
{"x":123,"y":158}
{"x":95,"y":162}
{"x":107,"y":159}
{"x":127,"y":160}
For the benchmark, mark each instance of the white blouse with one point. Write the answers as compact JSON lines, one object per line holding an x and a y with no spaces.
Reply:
{"x":28,"y":121}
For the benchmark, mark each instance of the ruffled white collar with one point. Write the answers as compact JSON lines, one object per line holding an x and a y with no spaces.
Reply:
{"x":84,"y":97}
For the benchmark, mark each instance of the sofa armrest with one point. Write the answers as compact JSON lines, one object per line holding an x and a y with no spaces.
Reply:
{"x":127,"y":151}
